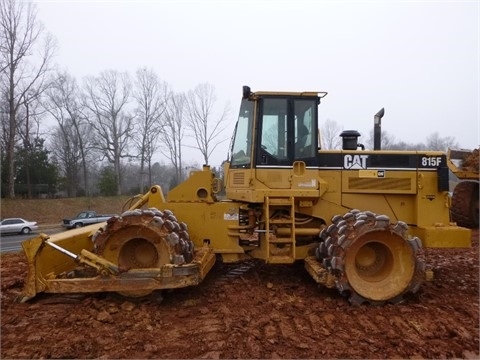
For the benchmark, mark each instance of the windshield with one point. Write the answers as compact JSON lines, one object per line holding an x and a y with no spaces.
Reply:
{"x":242,"y":143}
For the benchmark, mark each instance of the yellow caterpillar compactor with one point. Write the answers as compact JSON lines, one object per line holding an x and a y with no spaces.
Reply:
{"x":357,"y":218}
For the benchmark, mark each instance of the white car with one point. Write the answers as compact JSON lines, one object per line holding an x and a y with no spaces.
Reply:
{"x":17,"y":226}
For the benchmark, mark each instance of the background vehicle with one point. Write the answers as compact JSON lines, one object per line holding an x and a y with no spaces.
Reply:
{"x":85,"y":218}
{"x":357,"y":218}
{"x":464,"y":165}
{"x":17,"y":226}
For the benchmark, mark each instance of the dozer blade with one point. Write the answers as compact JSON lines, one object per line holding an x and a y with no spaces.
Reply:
{"x":46,"y":263}
{"x":52,"y":269}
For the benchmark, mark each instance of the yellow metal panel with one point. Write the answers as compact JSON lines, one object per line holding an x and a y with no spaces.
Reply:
{"x":432,"y":207}
{"x":396,"y":207}
{"x":210,"y":222}
{"x":443,"y":236}
{"x":197,"y":187}
{"x":379,"y":182}
{"x":238,"y":178}
{"x":274,"y":178}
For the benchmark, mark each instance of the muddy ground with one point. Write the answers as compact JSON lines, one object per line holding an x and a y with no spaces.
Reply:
{"x":248,"y":311}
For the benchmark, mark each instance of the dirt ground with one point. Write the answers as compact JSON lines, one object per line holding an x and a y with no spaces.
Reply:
{"x":250,"y":310}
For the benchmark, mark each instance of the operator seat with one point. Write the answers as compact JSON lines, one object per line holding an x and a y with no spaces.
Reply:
{"x":301,"y":139}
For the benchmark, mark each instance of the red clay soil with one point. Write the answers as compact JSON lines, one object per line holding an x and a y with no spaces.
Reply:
{"x":471,"y":162}
{"x":248,"y":311}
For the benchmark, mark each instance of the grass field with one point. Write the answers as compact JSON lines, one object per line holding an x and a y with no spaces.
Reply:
{"x":52,"y":211}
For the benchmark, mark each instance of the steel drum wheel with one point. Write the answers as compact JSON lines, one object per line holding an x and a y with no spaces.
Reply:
{"x":141,"y":239}
{"x":373,"y":260}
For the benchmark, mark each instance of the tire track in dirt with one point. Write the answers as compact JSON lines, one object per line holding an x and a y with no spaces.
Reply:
{"x":262,"y":311}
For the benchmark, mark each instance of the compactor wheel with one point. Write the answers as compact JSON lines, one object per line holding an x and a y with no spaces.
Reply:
{"x":372,"y":259}
{"x":464,"y":209}
{"x":144,"y":239}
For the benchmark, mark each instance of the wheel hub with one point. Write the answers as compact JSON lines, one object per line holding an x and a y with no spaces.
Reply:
{"x":371,"y":261}
{"x":379,"y":265}
{"x":138,"y":253}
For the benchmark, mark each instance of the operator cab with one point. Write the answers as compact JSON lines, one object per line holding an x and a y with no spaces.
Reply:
{"x":276,"y":129}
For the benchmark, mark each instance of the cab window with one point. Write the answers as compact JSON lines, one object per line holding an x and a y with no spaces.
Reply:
{"x":287,"y":131}
{"x":274,"y":128}
{"x":242,"y":143}
{"x":305,"y":131}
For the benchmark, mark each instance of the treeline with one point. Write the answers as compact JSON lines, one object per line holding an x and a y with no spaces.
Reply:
{"x":330,"y":139}
{"x":105,"y":126}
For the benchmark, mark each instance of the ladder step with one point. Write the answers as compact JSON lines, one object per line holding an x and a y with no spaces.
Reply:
{"x":281,"y":250}
{"x":281,"y":221}
{"x":281,"y":241}
{"x":280,"y":201}
{"x":281,"y":259}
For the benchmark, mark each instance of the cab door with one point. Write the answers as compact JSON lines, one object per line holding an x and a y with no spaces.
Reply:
{"x":286,"y":133}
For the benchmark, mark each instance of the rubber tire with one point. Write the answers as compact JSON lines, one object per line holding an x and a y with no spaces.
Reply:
{"x":464,"y":209}
{"x":78,"y":225}
{"x":25,"y":231}
{"x":357,"y":236}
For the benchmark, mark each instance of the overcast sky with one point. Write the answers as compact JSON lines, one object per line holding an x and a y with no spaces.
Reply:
{"x":417,"y":59}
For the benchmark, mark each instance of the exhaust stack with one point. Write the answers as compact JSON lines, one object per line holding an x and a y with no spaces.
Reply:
{"x":377,"y":129}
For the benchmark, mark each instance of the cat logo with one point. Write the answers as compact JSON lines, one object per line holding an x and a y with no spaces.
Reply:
{"x":355,"y":162}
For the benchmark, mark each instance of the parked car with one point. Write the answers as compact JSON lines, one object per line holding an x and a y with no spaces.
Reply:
{"x":85,"y":218}
{"x":17,"y":226}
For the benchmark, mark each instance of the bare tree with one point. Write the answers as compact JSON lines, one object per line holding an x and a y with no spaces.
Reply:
{"x":72,"y":139}
{"x":205,"y":124}
{"x":435,"y":142}
{"x":21,"y":80}
{"x":106,"y":98}
{"x":387,"y":141}
{"x":150,"y":95}
{"x":28,"y":129}
{"x":330,"y":135}
{"x":172,"y":132}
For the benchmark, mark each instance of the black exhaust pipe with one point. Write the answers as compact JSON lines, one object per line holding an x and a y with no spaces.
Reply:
{"x":377,"y":130}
